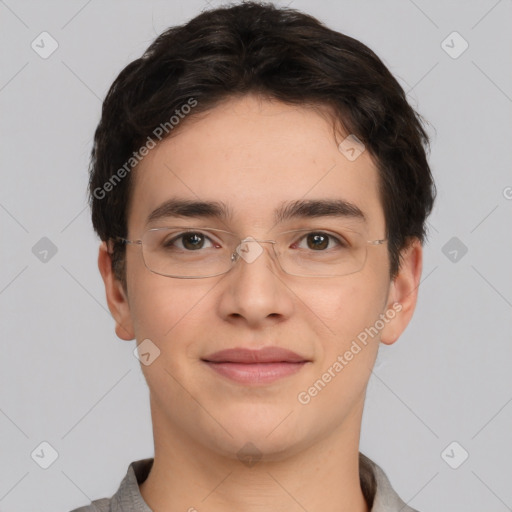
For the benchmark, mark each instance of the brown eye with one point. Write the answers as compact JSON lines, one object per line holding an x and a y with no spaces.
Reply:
{"x":317,"y":241}
{"x":189,"y":241}
{"x":193,"y":241}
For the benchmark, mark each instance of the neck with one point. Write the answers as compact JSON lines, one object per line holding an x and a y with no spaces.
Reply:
{"x":188,"y":476}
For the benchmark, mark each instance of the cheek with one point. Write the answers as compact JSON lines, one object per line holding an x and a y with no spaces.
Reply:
{"x":161,"y":306}
{"x":350,"y":306}
{"x":170,"y":313}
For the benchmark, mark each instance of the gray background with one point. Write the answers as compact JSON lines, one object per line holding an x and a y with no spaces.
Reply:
{"x":66,"y":379}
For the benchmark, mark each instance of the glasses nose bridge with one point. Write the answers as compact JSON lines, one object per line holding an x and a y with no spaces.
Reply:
{"x":238,"y":250}
{"x":252,"y":239}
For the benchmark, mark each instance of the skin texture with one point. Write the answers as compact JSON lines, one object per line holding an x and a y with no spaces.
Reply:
{"x":253,"y":153}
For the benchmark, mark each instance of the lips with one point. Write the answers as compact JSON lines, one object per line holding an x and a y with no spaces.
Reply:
{"x":255,"y":366}
{"x":247,"y":356}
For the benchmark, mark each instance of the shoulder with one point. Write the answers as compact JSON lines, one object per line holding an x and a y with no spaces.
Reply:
{"x":127,"y":497}
{"x":385,"y":498}
{"x":102,"y":505}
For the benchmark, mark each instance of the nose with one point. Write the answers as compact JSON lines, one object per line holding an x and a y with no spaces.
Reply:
{"x":254,"y":291}
{"x":250,"y":249}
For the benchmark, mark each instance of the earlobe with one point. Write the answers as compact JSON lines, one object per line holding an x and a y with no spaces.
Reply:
{"x":403,"y":292}
{"x":116,"y":297}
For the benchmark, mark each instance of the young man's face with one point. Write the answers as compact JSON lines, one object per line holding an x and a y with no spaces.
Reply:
{"x":254,"y":155}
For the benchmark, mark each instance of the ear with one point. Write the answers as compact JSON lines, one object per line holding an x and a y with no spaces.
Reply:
{"x":116,"y":297}
{"x":403,"y":292}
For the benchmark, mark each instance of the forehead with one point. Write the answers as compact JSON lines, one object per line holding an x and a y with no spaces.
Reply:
{"x":254,"y":155}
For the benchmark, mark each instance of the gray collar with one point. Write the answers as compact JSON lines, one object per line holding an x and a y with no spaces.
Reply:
{"x":376,"y":487}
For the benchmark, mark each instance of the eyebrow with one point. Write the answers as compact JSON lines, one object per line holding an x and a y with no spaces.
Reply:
{"x":311,"y":208}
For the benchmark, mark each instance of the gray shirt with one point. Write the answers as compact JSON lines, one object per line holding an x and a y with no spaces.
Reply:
{"x":375,"y":485}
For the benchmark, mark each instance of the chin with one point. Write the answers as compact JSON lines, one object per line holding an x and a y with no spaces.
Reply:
{"x":269,"y":437}
{"x":251,"y":449}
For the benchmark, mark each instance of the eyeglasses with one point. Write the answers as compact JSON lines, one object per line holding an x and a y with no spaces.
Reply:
{"x":192,"y":253}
